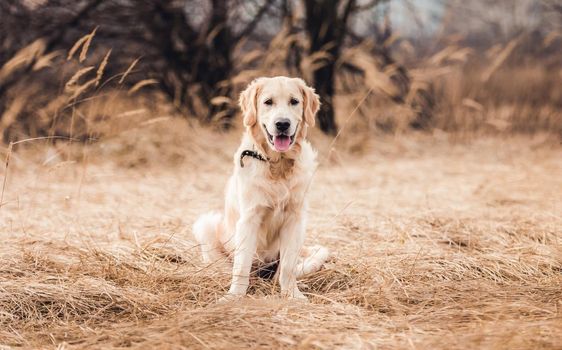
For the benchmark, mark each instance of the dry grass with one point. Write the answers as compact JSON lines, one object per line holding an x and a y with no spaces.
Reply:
{"x":438,"y":244}
{"x":441,"y":241}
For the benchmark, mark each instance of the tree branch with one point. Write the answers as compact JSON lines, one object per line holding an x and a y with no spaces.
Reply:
{"x":252,"y":25}
{"x":368,"y":5}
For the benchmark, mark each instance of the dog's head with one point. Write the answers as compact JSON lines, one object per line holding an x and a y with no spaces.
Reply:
{"x":278,"y":110}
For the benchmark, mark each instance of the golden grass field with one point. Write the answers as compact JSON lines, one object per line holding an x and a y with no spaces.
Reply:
{"x":438,"y":242}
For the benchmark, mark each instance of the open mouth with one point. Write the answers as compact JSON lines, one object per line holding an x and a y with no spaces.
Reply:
{"x":281,"y":142}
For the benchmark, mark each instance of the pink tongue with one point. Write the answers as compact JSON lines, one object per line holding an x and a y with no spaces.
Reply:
{"x":281,"y":143}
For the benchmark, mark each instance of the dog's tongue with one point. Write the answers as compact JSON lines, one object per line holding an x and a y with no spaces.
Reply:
{"x":282,"y":143}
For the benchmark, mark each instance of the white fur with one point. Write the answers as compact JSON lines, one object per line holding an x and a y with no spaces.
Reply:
{"x":265,"y":202}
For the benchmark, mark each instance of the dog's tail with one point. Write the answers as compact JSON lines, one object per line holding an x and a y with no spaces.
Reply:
{"x":312,"y":259}
{"x":206,"y":231}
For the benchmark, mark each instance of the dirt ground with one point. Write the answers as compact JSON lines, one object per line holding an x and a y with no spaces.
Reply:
{"x":437,"y":245}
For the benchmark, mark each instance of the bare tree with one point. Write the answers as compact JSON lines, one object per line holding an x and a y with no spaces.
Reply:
{"x":188,"y":45}
{"x":190,"y":57}
{"x":326,"y":27}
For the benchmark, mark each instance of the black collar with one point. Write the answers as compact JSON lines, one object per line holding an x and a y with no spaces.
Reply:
{"x":252,"y":154}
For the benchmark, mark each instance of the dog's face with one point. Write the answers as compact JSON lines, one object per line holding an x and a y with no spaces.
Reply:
{"x":279,"y":108}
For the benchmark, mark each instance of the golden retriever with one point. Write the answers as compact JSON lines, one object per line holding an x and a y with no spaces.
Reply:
{"x":264,"y":219}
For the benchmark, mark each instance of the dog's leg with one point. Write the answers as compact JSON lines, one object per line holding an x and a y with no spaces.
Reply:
{"x":291,"y":241}
{"x":246,"y":239}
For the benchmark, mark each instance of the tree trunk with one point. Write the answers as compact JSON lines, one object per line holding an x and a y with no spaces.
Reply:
{"x":321,"y":16}
{"x":324,"y":82}
{"x":326,"y":29}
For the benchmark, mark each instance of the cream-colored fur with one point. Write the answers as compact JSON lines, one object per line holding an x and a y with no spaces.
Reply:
{"x":265,"y":202}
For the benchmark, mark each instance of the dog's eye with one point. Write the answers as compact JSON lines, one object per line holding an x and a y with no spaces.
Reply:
{"x":294,"y":102}
{"x":268,"y":102}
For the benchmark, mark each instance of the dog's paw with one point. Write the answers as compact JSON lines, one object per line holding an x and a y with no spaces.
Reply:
{"x":229,"y":298}
{"x":300,"y":297}
{"x":295,"y":294}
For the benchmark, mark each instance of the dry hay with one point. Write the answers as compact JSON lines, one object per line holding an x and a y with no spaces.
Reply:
{"x":437,"y":245}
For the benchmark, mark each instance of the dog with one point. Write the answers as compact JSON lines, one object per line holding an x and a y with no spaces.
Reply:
{"x":265,"y":210}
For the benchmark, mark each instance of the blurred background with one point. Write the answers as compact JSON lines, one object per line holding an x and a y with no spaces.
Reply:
{"x":88,"y":69}
{"x":438,"y":187}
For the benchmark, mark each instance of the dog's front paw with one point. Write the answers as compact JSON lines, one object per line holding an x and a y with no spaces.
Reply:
{"x":295,"y":294}
{"x":229,"y":297}
{"x":299,"y":296}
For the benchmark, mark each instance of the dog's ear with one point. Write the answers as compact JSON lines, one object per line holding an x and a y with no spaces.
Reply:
{"x":311,"y":103}
{"x":248,"y":103}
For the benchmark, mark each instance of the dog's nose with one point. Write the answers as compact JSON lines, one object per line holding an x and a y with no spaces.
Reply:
{"x":283,"y":124}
